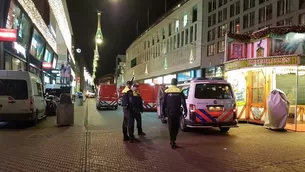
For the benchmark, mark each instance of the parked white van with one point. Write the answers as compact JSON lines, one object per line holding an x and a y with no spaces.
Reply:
{"x":21,"y":97}
{"x":210,"y":103}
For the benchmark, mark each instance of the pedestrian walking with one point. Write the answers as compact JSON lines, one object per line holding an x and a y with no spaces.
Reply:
{"x":127,"y":109}
{"x":138,"y":105}
{"x":172,"y":102}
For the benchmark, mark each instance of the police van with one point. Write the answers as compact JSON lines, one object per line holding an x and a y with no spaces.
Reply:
{"x":210,"y":102}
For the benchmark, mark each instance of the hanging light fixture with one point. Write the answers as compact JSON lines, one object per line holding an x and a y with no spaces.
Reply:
{"x":99,"y":39}
{"x":146,"y":70}
{"x":191,"y":57}
{"x":165,"y":62}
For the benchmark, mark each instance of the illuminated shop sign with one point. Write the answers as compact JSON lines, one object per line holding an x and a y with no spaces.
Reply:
{"x":9,"y":35}
{"x":269,"y":61}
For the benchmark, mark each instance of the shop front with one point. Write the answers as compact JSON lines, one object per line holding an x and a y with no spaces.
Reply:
{"x":187,"y":75}
{"x":255,"y":68}
{"x":15,"y":56}
{"x":213,"y":72}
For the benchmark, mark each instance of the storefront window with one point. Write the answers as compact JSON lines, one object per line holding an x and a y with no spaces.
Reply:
{"x":37,"y":45}
{"x":148,"y":81}
{"x":54,"y":63}
{"x":258,"y":85}
{"x":18,"y":20}
{"x":12,"y":63}
{"x":184,"y":76}
{"x":168,"y":78}
{"x":158,"y":80}
{"x":198,"y":73}
{"x":8,"y":62}
{"x":48,"y":55}
{"x":18,"y":64}
{"x":35,"y":71}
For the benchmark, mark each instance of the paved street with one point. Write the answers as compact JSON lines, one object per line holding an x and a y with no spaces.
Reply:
{"x":95,"y":143}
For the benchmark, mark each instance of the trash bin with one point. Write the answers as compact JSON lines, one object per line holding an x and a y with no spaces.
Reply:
{"x":80,"y":99}
{"x":278,"y":110}
{"x":65,"y":110}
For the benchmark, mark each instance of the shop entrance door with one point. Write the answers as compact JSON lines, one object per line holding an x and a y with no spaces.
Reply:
{"x":257,"y":96}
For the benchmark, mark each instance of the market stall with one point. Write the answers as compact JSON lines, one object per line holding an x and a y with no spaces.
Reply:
{"x":269,"y":59}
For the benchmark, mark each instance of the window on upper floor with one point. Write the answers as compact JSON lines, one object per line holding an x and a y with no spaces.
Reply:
{"x":153,"y":41}
{"x":133,"y":63}
{"x":185,"y":19}
{"x":178,"y":40}
{"x":211,"y":35}
{"x":222,"y":2}
{"x":182,"y":38}
{"x":235,"y":9}
{"x":221,"y":46}
{"x":195,"y":36}
{"x":191,"y":33}
{"x":222,"y":30}
{"x":301,"y":4}
{"x":169,"y":29}
{"x":163,"y":33}
{"x":265,"y":13}
{"x":248,"y":20}
{"x":248,"y":4}
{"x":262,"y":1}
{"x":285,"y":22}
{"x":234,"y":25}
{"x":211,"y":49}
{"x":212,"y":20}
{"x":186,"y":36}
{"x":195,"y":13}
{"x":284,"y":7}
{"x":222,"y":15}
{"x":175,"y":42}
{"x":177,"y":26}
{"x":302,"y":19}
{"x":144,"y":45}
{"x":212,"y":5}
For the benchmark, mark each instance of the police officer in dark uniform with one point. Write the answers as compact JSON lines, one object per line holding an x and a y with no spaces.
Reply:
{"x":173,"y":100}
{"x":127,"y":110}
{"x":138,"y":105}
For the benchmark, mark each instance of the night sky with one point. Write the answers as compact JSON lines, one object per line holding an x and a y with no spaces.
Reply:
{"x":118,"y":22}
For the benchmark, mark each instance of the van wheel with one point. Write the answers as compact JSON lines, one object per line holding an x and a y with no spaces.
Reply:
{"x":34,"y":121}
{"x":116,"y":107}
{"x":224,"y":129}
{"x":183,"y":126}
{"x":97,"y":108}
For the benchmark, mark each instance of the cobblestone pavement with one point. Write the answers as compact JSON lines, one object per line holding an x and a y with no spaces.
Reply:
{"x":94,"y":143}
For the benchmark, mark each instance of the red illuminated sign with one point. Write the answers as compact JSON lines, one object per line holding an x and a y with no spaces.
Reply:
{"x":9,"y":35}
{"x":46,"y":65}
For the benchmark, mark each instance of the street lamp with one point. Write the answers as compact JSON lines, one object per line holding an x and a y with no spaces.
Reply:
{"x":99,"y":35}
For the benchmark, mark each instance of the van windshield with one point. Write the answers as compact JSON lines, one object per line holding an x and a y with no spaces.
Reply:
{"x":15,"y":88}
{"x":213,"y":91}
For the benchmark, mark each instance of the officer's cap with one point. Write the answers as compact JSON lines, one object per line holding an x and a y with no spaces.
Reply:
{"x":174,"y":81}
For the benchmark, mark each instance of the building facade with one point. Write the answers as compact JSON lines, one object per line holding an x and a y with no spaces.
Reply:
{"x":170,"y":48}
{"x":43,"y":38}
{"x":242,"y":16}
{"x":120,"y":70}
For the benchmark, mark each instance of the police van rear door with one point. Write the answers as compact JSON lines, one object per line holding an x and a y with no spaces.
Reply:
{"x":214,"y":102}
{"x":159,"y":101}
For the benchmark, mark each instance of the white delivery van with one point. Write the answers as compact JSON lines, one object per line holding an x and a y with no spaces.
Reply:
{"x":210,"y":103}
{"x":21,"y":97}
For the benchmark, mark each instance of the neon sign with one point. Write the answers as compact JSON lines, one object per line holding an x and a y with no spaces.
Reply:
{"x":9,"y":35}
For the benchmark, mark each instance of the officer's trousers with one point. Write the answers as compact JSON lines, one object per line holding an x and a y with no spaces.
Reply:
{"x":125,"y":121}
{"x":173,"y":125}
{"x":138,"y":118}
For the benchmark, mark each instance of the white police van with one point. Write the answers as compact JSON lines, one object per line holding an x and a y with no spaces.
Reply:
{"x":210,"y":102}
{"x":21,"y":97}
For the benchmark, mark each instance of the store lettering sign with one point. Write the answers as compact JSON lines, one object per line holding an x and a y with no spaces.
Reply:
{"x":9,"y":35}
{"x":273,"y":61}
{"x":234,"y":65}
{"x":46,"y":65}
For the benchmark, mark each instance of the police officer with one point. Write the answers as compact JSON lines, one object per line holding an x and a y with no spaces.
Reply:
{"x":127,"y":107}
{"x":138,"y":105}
{"x":173,"y":100}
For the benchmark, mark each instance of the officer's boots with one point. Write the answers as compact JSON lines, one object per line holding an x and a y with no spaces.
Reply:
{"x":125,"y":137}
{"x":173,"y":144}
